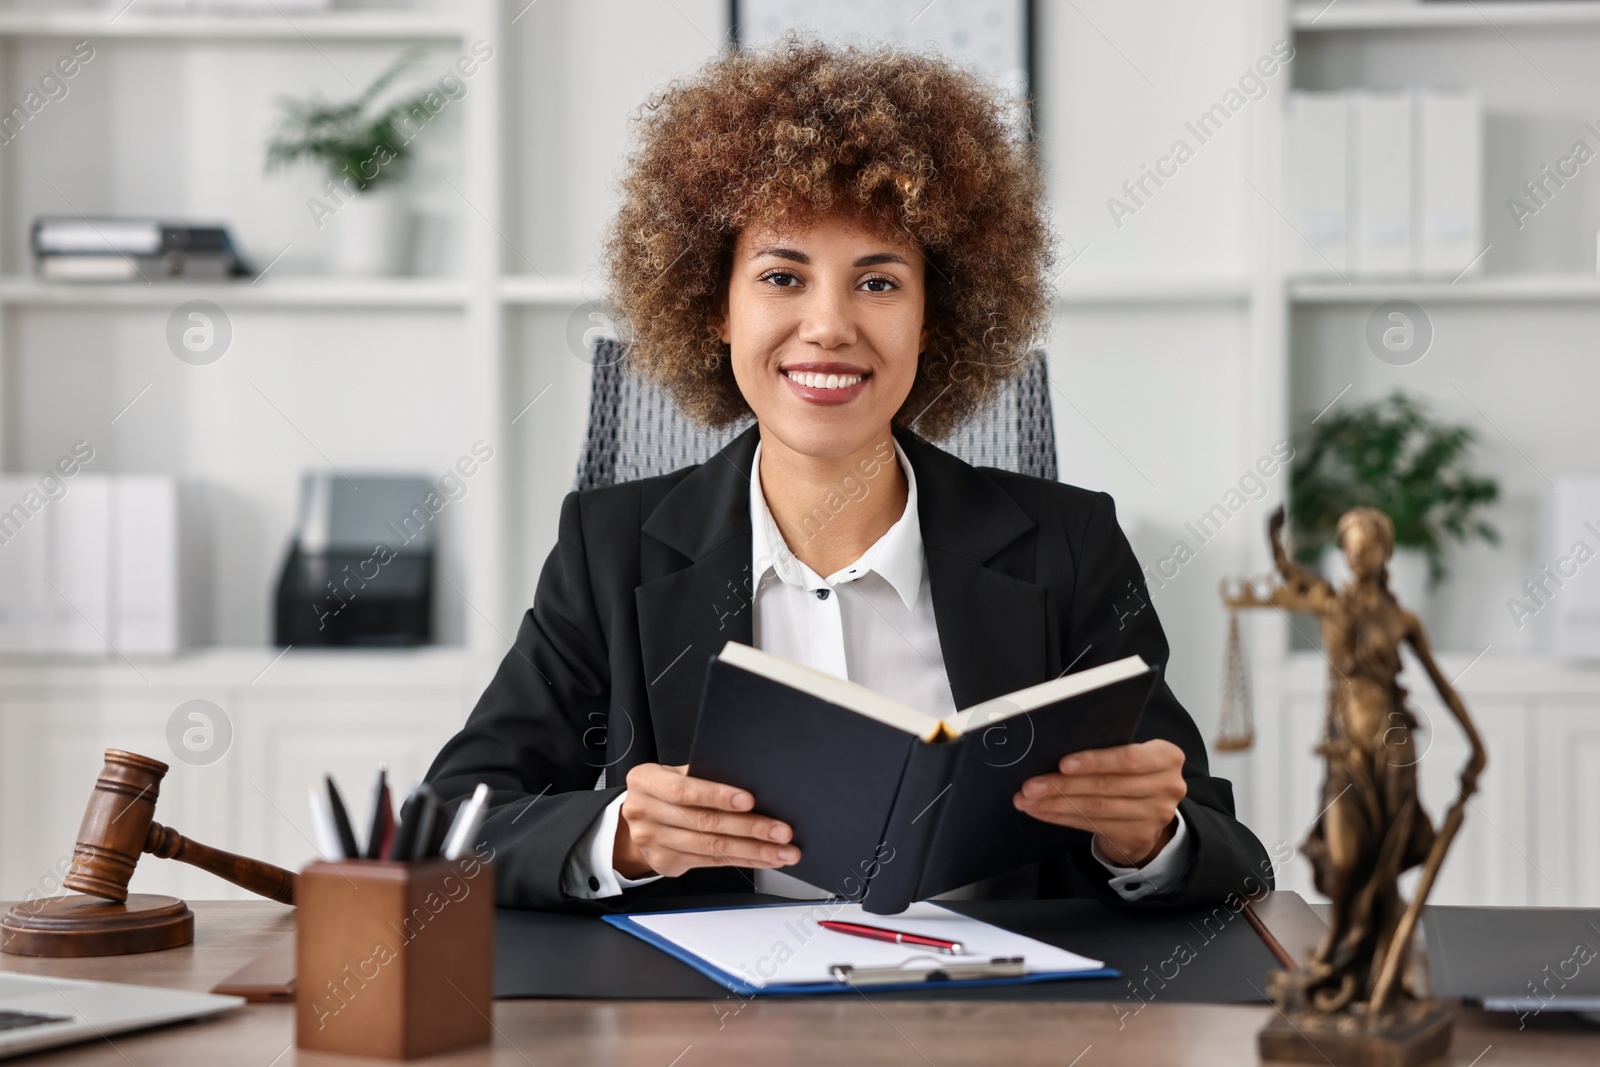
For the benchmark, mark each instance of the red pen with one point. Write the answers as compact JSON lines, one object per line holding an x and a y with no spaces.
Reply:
{"x":878,"y":933}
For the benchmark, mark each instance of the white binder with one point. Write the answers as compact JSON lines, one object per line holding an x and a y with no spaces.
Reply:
{"x":1381,"y":136}
{"x":1449,"y":232}
{"x":1319,"y":179}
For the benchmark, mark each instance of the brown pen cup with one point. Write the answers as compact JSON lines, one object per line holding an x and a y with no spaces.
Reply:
{"x":394,"y":960}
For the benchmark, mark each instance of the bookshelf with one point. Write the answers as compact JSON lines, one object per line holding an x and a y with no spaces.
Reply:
{"x":266,"y":57}
{"x":1503,"y":338}
{"x":1506,"y":289}
{"x":1313,"y":16}
{"x":375,"y":374}
{"x":333,"y":25}
{"x":394,"y":294}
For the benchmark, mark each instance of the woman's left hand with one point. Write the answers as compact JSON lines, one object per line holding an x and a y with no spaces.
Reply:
{"x":1126,"y":796}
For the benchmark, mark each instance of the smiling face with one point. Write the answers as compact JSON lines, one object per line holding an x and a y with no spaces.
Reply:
{"x":825,"y":323}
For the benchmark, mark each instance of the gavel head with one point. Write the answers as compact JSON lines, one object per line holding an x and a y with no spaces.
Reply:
{"x":115,"y":825}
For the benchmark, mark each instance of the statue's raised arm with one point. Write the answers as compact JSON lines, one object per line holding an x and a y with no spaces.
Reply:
{"x":1299,"y":588}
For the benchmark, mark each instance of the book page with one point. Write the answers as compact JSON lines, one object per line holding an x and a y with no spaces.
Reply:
{"x":1043,"y":694}
{"x":847,"y":694}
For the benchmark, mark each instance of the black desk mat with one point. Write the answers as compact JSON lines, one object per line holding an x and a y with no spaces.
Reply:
{"x":1199,"y":957}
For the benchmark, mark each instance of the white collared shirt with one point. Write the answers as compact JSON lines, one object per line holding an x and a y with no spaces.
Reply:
{"x":870,"y":622}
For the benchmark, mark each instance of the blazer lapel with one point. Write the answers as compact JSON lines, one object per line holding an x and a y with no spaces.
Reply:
{"x":688,"y":612}
{"x":994,"y":628}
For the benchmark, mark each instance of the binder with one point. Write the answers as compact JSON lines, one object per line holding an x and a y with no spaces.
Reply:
{"x":1381,"y":137}
{"x":25,"y":535}
{"x":916,"y":971}
{"x":78,"y":568}
{"x":1449,"y":182}
{"x":144,"y":564}
{"x":1319,"y":132}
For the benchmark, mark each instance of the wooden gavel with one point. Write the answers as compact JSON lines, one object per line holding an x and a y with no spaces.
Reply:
{"x":119,"y":824}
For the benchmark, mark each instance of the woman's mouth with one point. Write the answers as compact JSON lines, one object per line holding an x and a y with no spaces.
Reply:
{"x":824,"y":384}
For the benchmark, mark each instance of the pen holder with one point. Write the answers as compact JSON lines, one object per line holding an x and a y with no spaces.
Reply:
{"x":394,"y":960}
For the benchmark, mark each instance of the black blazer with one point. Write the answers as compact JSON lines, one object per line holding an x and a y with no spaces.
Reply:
{"x":648,"y":579}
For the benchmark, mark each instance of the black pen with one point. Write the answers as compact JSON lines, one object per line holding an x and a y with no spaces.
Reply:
{"x":425,"y":818}
{"x":341,"y":821}
{"x":415,"y":828}
{"x":381,"y":831}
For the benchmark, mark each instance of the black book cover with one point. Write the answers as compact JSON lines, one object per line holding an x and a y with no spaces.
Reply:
{"x":881,"y":815}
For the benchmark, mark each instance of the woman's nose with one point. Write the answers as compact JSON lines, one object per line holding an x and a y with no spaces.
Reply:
{"x":827,"y":318}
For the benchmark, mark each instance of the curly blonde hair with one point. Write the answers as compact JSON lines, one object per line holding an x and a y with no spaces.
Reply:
{"x":906,"y":143}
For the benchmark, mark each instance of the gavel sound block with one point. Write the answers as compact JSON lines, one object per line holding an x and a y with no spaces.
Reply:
{"x":118,"y":825}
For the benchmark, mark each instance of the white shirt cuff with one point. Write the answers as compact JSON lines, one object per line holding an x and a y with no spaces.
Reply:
{"x":588,"y":872}
{"x":1160,"y":874}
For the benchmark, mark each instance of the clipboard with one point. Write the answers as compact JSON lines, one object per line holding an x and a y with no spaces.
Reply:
{"x":916,"y":973}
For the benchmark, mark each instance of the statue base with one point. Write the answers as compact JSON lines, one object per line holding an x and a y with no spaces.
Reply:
{"x":1412,"y":1033}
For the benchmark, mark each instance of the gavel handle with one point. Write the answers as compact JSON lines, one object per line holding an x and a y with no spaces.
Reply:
{"x":269,"y":881}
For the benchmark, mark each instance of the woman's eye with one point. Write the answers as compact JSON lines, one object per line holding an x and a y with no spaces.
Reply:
{"x":890,"y":282}
{"x":777,"y":274}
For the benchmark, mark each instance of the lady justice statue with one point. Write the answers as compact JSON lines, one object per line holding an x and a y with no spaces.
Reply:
{"x":1351,"y":1002}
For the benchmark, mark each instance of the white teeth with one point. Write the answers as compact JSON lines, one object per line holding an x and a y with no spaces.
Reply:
{"x":824,"y":381}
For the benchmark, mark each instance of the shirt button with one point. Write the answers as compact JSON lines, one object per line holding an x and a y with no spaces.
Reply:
{"x":822,"y":594}
{"x":594,"y":883}
{"x":1133,"y":885}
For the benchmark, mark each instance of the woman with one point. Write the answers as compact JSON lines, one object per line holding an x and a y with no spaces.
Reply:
{"x":849,"y":244}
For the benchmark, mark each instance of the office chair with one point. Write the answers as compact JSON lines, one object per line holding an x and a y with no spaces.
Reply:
{"x":635,"y":431}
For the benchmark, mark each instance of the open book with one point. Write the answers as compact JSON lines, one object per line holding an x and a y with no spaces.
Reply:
{"x":888,"y":804}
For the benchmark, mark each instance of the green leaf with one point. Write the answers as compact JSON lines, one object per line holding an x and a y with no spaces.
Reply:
{"x":355,"y":144}
{"x":1390,"y":455}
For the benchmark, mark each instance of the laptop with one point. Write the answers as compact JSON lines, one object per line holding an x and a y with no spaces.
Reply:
{"x":1523,"y":960}
{"x":38,"y":1012}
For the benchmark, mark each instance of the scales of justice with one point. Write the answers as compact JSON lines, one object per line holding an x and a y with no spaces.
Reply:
{"x":1352,"y":1001}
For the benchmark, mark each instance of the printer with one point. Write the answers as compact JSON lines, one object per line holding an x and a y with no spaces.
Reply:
{"x":360,"y":567}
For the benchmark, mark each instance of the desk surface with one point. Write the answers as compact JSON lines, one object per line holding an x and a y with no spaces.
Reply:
{"x":553,"y":1033}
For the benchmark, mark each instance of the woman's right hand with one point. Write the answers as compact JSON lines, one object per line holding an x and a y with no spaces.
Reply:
{"x":672,"y":823}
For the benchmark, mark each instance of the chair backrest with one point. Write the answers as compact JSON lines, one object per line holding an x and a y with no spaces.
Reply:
{"x":635,"y":431}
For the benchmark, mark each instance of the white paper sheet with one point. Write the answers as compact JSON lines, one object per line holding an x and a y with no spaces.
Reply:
{"x":782,"y":945}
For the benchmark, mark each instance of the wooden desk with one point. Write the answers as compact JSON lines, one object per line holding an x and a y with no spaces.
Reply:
{"x":554,"y":1033}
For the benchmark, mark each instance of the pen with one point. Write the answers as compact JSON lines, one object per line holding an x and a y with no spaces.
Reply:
{"x":413,"y":836}
{"x":467,"y":821}
{"x":381,"y":832}
{"x":322,"y":827}
{"x":405,"y":827}
{"x":422,"y":844}
{"x":878,"y":933}
{"x":341,"y":821}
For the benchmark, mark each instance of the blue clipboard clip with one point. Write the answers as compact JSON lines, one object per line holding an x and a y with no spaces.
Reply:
{"x":943,"y":970}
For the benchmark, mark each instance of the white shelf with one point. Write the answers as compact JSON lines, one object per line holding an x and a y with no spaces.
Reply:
{"x":1321,"y":15}
{"x":1091,"y":289}
{"x":349,"y":26}
{"x":260,"y":668}
{"x":399,"y":294}
{"x":531,"y":290}
{"x":1507,"y":289}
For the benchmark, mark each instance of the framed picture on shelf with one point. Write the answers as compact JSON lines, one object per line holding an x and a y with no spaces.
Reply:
{"x":994,"y":38}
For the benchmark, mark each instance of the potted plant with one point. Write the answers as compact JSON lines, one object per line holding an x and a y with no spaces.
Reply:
{"x":1389,"y":454}
{"x":365,"y":156}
